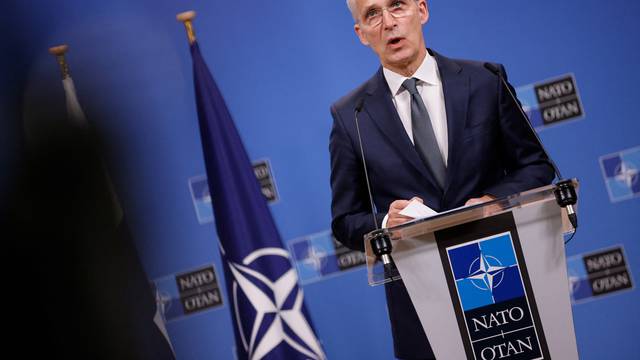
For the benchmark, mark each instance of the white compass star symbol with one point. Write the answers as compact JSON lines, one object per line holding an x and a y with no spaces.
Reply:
{"x":315,"y":258}
{"x":626,"y":173}
{"x":256,"y":345}
{"x":486,"y":273}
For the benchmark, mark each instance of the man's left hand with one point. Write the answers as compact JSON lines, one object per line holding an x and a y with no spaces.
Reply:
{"x":486,"y":210}
{"x":479,"y":200}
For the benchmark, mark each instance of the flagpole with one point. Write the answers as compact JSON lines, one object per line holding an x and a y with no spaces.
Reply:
{"x":59,"y":52}
{"x":186,"y":18}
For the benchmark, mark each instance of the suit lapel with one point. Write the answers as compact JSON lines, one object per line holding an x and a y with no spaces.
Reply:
{"x":455,"y":88}
{"x":379,"y":106}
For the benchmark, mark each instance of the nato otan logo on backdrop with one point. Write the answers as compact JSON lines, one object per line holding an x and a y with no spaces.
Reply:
{"x":552,"y":101}
{"x":598,"y":273}
{"x":187,"y":293}
{"x":262,"y":170}
{"x":496,"y":309}
{"x":202,"y":198}
{"x":320,"y":255}
{"x":621,"y":171}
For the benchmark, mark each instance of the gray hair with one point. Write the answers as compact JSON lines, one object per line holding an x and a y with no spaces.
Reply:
{"x":352,"y":7}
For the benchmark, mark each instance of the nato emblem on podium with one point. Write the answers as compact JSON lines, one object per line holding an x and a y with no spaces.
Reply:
{"x":490,"y":290}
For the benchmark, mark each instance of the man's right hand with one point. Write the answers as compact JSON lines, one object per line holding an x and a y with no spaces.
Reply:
{"x":394,"y":217}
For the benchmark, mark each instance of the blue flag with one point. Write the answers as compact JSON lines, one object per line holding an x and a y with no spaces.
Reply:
{"x":267,"y":305}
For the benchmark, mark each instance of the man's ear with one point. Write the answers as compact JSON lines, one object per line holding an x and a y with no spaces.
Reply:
{"x":361,"y":36}
{"x":424,"y":11}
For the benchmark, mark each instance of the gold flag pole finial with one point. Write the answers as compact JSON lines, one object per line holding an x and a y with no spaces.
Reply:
{"x":186,"y":18}
{"x":58,"y":52}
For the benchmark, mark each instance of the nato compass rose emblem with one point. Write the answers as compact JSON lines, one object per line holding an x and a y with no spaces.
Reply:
{"x":316,"y":258}
{"x":269,"y":309}
{"x":489,"y":273}
{"x":488,"y":282}
{"x":626,"y":174}
{"x":621,"y":172}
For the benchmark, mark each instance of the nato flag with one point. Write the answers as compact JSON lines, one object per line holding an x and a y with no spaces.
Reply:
{"x":267,"y":305}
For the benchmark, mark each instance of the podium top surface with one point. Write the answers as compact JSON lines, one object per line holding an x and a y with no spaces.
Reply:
{"x":474,"y":212}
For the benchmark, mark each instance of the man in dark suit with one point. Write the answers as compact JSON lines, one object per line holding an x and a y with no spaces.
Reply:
{"x":439,"y":130}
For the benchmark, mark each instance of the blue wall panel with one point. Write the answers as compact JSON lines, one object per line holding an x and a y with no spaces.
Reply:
{"x":280,"y":65}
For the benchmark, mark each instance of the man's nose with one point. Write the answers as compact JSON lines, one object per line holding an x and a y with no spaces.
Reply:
{"x":388,"y":21}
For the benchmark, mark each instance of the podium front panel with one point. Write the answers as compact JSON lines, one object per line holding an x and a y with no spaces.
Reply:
{"x":490,"y":282}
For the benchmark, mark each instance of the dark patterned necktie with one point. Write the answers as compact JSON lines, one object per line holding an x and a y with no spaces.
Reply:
{"x":424,"y":138}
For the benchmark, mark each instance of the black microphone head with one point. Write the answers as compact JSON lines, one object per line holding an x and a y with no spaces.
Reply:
{"x":359,"y":104}
{"x":492,"y":67}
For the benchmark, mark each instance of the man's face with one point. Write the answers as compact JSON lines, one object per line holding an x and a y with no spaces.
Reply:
{"x":393,"y":29}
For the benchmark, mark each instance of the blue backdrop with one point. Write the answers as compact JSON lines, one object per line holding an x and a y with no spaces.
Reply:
{"x":280,"y":65}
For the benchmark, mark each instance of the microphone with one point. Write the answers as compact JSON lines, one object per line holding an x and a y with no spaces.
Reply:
{"x":380,"y":242}
{"x":565,"y":192}
{"x":359,"y":105}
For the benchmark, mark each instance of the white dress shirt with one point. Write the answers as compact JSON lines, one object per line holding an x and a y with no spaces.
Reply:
{"x":430,"y":88}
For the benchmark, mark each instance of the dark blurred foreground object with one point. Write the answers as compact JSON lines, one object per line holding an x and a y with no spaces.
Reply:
{"x":76,"y":288}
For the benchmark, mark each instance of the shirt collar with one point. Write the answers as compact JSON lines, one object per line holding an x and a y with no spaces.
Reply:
{"x":427,"y":72}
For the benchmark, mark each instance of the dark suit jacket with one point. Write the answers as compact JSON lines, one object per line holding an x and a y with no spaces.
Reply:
{"x":491,"y":151}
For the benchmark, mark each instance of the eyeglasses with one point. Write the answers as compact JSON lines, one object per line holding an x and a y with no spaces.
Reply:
{"x":397,"y":9}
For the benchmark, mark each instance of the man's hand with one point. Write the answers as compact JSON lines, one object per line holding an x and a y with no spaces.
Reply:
{"x":486,"y":210}
{"x":479,"y":200}
{"x":394,"y":217}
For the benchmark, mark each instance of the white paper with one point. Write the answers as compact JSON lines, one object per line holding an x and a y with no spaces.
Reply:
{"x":418,"y":210}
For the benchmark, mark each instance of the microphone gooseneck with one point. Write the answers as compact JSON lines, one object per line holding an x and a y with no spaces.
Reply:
{"x":380,"y":241}
{"x":357,"y":110}
{"x":565,"y":191}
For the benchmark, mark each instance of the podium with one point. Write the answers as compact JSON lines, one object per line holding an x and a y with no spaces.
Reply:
{"x":488,"y":281}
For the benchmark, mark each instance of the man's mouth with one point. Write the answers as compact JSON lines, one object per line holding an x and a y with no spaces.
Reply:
{"x":394,"y":40}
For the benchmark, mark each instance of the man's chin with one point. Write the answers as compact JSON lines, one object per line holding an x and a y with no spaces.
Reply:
{"x":401,"y":59}
{"x":398,"y":62}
